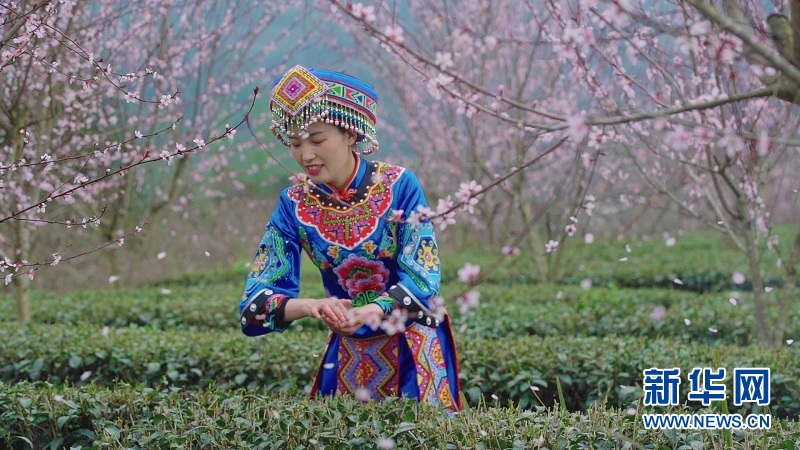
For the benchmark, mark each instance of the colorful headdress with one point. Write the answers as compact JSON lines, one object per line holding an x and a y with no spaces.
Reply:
{"x":303,"y":96}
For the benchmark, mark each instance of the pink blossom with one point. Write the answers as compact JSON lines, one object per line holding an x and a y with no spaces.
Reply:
{"x":551,"y":246}
{"x":397,"y":216}
{"x":739,"y":277}
{"x":229,"y":131}
{"x":365,"y":13}
{"x":679,"y":139}
{"x":586,"y":284}
{"x":394,"y":33}
{"x":571,"y":229}
{"x":444,"y":215}
{"x":577,"y":128}
{"x":468,"y":301}
{"x":166,"y":155}
{"x":436,"y":307}
{"x":588,"y":238}
{"x":395,"y":322}
{"x":298,"y":178}
{"x":469,"y":273}
{"x":199,"y":142}
{"x":444,"y":60}
{"x":510,"y":251}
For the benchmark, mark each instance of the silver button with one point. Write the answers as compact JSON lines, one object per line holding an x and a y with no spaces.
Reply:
{"x":437,"y":322}
{"x":428,"y":321}
{"x":406,"y":301}
{"x":268,"y":292}
{"x":244,"y":320}
{"x":253,"y":307}
{"x":420,"y":314}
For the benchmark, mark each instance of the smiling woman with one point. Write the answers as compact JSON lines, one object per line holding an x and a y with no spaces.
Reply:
{"x":360,"y":224}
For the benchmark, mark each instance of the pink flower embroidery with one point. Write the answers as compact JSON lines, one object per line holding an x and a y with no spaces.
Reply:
{"x":359,"y":276}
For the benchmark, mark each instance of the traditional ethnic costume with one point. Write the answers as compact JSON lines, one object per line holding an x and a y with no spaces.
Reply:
{"x":362,"y":250}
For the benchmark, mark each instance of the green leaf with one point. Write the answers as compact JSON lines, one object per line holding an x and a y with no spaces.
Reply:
{"x":75,"y":361}
{"x":62,"y":420}
{"x":403,"y":427}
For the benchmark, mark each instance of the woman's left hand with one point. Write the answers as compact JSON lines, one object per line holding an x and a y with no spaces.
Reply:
{"x":356,"y":318}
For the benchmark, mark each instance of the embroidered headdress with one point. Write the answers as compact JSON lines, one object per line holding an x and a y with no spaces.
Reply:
{"x":303,"y":96}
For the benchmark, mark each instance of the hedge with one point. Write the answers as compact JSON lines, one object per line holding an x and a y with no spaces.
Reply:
{"x":591,"y":370}
{"x":45,"y":416}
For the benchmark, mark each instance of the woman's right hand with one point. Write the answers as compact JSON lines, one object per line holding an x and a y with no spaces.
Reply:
{"x":330,"y":309}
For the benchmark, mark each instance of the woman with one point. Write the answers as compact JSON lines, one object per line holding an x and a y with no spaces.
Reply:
{"x":350,"y":216}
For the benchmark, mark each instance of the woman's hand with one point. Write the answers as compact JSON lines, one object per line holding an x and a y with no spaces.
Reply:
{"x":356,"y":318}
{"x":331,"y":310}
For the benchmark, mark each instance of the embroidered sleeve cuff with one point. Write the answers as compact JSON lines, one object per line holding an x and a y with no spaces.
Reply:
{"x":267,"y":311}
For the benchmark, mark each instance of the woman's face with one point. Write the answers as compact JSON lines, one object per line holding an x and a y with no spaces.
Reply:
{"x":324,"y":154}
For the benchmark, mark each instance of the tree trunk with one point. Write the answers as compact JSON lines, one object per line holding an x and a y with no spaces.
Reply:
{"x":23,"y":283}
{"x":789,"y":285}
{"x":537,"y":245}
{"x":762,"y":310}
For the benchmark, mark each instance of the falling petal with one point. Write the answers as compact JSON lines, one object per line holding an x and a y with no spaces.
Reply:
{"x":328,"y":366}
{"x":659,"y":313}
{"x":85,"y":375}
{"x":362,"y":394}
{"x":768,"y":289}
{"x":586,"y":284}
{"x":162,"y":255}
{"x":677,"y":281}
{"x":208,"y":254}
{"x":738,"y":277}
{"x":627,"y":248}
{"x":623,"y":259}
{"x":789,"y":341}
{"x":687,"y":322}
{"x":732,"y":301}
{"x":631,"y":411}
{"x":712,"y":329}
{"x":386,"y":444}
{"x":166,"y":291}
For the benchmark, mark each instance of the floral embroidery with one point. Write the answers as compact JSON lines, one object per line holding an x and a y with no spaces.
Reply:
{"x":370,"y":247}
{"x":333,"y":252}
{"x":363,"y":279}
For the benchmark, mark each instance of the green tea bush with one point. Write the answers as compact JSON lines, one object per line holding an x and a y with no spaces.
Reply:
{"x":519,"y":369}
{"x":126,"y":417}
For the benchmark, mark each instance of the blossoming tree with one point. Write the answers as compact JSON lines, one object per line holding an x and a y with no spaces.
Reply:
{"x":680,"y":102}
{"x":93,"y":91}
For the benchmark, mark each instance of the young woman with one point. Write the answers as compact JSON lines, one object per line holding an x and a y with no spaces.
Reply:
{"x":358,"y":221}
